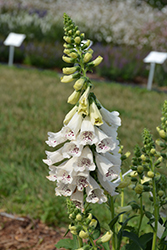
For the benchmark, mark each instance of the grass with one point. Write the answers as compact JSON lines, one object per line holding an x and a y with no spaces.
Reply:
{"x":32,"y":103}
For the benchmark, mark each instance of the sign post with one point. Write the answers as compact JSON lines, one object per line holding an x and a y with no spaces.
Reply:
{"x":153,"y":58}
{"x":13,"y":40}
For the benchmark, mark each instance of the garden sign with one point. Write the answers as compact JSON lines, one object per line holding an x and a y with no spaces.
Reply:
{"x":154,"y":57}
{"x":13,"y":40}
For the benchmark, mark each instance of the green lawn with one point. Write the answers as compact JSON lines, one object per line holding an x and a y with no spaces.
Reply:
{"x":32,"y":103}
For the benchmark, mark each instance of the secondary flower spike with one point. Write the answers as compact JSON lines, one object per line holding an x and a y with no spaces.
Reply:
{"x":88,"y":159}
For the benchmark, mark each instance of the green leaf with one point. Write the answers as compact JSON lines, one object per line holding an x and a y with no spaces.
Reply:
{"x":134,"y":238}
{"x":114,"y":220}
{"x":106,"y":246}
{"x":146,"y":240}
{"x":65,"y":243}
{"x":68,"y":243}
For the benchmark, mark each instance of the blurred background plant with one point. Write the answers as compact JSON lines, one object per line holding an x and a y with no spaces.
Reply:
{"x":123,"y":32}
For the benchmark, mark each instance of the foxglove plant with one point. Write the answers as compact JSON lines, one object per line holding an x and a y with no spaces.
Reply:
{"x":86,"y":164}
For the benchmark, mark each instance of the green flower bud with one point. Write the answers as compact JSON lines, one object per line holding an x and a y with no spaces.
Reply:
{"x":162,"y":134}
{"x":87,"y":57}
{"x":73,"y":55}
{"x":150,"y":174}
{"x":153,"y":151}
{"x":140,"y":169}
{"x":82,"y":35}
{"x":79,"y":84}
{"x":96,"y":62}
{"x":74,"y":97}
{"x":143,"y":157}
{"x":77,"y":32}
{"x":93,"y":223}
{"x":161,"y":193}
{"x":67,"y":39}
{"x":70,"y":70}
{"x":83,"y":234}
{"x":133,"y":174}
{"x":86,"y":45}
{"x":67,"y":79}
{"x":77,"y":40}
{"x":106,"y":237}
{"x":68,"y":59}
{"x":78,"y":217}
{"x":138,"y":189}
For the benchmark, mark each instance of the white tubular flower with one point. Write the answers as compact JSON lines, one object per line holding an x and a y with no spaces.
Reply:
{"x":77,"y":198}
{"x":85,"y":161}
{"x":71,"y":149}
{"x":65,"y":173}
{"x":87,"y":134}
{"x":70,"y":114}
{"x":95,"y":116}
{"x":52,"y":173}
{"x":111,"y":118}
{"x":55,"y":139}
{"x":95,"y":193}
{"x":81,"y":180}
{"x":107,"y":185}
{"x":114,"y":158}
{"x":84,"y":103}
{"x":108,"y":130}
{"x":71,"y":129}
{"x":53,"y":157}
{"x":105,"y":143}
{"x":64,"y":189}
{"x":106,"y":168}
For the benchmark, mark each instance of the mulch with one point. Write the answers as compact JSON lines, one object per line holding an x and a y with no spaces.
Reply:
{"x":24,"y":233}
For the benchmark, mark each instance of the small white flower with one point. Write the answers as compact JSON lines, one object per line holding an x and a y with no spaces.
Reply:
{"x":105,"y":143}
{"x":71,"y":149}
{"x":111,"y":118}
{"x":85,"y":161}
{"x":81,"y":180}
{"x":95,"y":193}
{"x":54,"y":157}
{"x":107,"y":185}
{"x":106,"y":168}
{"x":55,"y":139}
{"x":71,"y":129}
{"x":65,"y":173}
{"x":64,"y":189}
{"x":87,"y":134}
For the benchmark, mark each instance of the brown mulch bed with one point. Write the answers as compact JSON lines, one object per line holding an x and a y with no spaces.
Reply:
{"x":24,"y":233}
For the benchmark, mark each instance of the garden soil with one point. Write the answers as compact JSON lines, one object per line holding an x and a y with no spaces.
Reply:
{"x":24,"y":233}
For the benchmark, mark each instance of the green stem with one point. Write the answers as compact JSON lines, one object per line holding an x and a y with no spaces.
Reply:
{"x":92,"y":243}
{"x":122,"y":201}
{"x":156,"y":211}
{"x":141,"y":213}
{"x":112,"y":217}
{"x":80,"y":242}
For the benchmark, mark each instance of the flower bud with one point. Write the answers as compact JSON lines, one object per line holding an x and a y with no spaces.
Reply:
{"x":70,"y":70}
{"x":77,"y":40}
{"x":83,"y":234}
{"x":138,"y":189}
{"x":133,"y":174}
{"x":73,"y":229}
{"x":79,"y":84}
{"x":150,"y":174}
{"x":160,"y":193}
{"x":96,"y":62}
{"x":93,"y":223}
{"x":140,"y":169}
{"x":70,"y":115}
{"x":74,"y":55}
{"x":153,"y":151}
{"x":87,"y":57}
{"x":143,"y":157}
{"x":66,"y":79}
{"x":162,"y":133}
{"x":74,"y":97}
{"x":82,"y":35}
{"x":67,"y":51}
{"x":95,"y":116}
{"x":77,"y":32}
{"x":86,"y":45}
{"x":68,"y":59}
{"x":106,"y":237}
{"x":67,"y":39}
{"x":78,"y":217}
